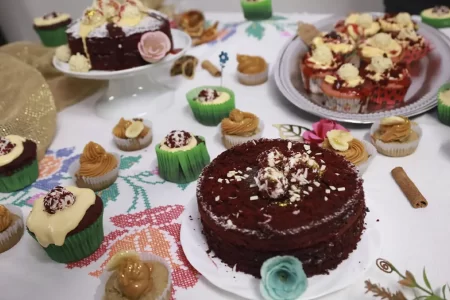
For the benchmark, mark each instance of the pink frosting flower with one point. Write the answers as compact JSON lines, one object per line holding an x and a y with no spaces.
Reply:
{"x":154,"y":46}
{"x":320,"y":129}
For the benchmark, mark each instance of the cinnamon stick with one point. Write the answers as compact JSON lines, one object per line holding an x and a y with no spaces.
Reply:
{"x":408,"y":188}
{"x":212,"y":69}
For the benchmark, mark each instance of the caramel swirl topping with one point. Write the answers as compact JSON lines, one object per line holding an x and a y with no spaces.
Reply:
{"x":121,"y":127}
{"x":240,"y":123}
{"x":395,"y":131}
{"x":251,"y":64}
{"x":356,"y":153}
{"x":95,"y":161}
{"x":134,"y":277}
{"x":5,"y":218}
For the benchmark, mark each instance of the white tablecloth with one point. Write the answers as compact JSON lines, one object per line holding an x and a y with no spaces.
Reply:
{"x":142,"y":210}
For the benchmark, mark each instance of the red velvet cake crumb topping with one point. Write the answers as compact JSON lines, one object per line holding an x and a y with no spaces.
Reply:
{"x":58,"y":199}
{"x":6,"y":146}
{"x":207,"y":95}
{"x":177,"y":139}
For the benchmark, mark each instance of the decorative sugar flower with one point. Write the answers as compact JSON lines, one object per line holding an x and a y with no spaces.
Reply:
{"x":282,"y":278}
{"x":154,"y":46}
{"x":320,"y":129}
{"x":223,"y":57}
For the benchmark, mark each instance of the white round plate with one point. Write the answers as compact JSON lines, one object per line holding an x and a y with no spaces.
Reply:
{"x":244,"y":285}
{"x":180,"y":40}
{"x":427,"y":77}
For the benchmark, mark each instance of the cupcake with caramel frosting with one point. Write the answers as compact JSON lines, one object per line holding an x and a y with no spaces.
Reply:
{"x":240,"y":127}
{"x":11,"y":226}
{"x":396,"y":136}
{"x":359,"y":153}
{"x":252,"y":70}
{"x":132,"y":135}
{"x":96,"y":169}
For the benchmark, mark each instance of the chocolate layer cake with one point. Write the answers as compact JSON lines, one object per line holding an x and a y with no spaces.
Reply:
{"x":111,"y":47}
{"x":275,"y":197}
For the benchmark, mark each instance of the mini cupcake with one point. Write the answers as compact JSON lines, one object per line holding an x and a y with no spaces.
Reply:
{"x":438,"y":16}
{"x":130,"y":276}
{"x":444,"y":104}
{"x":18,"y":163}
{"x":396,"y":136}
{"x":381,"y":44}
{"x":181,"y":156}
{"x":210,"y":104}
{"x":11,"y":227}
{"x":252,"y":70}
{"x":358,"y":26}
{"x":359,"y":153}
{"x":257,"y":9}
{"x":317,"y":63}
{"x":96,"y":169}
{"x":51,"y":28}
{"x":240,"y":127}
{"x":392,"y":23}
{"x":345,"y":90}
{"x":414,"y":45}
{"x":387,"y":83}
{"x":67,"y":223}
{"x":338,"y":42}
{"x":132,"y":135}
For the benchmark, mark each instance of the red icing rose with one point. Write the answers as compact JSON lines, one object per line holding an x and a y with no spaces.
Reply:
{"x":320,"y":129}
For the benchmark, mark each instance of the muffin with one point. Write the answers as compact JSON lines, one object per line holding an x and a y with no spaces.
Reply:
{"x":414,"y":45}
{"x":345,"y":90}
{"x":257,"y":9}
{"x":317,"y":63}
{"x":338,"y":42}
{"x":96,"y":169}
{"x":132,"y":135}
{"x":11,"y":227}
{"x":359,"y":153}
{"x":18,"y":163}
{"x":67,"y":223}
{"x":210,"y":104}
{"x":51,"y":28}
{"x":392,"y":23}
{"x":396,"y":136}
{"x":252,"y":70}
{"x":181,"y":156}
{"x":240,"y":127}
{"x":132,"y":276}
{"x":358,"y":26}
{"x":381,"y":44}
{"x":438,"y":16}
{"x":387,"y":82}
{"x":444,"y":104}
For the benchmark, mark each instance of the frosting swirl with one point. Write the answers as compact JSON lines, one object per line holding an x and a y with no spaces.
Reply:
{"x":121,"y":128}
{"x":251,"y":64}
{"x":5,"y":218}
{"x":356,"y":152}
{"x":398,"y":130}
{"x":240,"y":123}
{"x":95,"y":161}
{"x":134,"y":277}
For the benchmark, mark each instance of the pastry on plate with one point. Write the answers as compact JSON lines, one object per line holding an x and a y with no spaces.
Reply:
{"x":97,"y":168}
{"x":131,"y":135}
{"x":252,"y":70}
{"x":396,"y":22}
{"x":444,"y":104}
{"x":338,"y":42}
{"x":181,"y":156}
{"x":68,"y":223}
{"x":210,"y":104}
{"x":381,"y":44}
{"x":51,"y":28}
{"x":438,"y":16}
{"x":11,"y":226}
{"x":415,"y":47}
{"x":396,"y":136}
{"x":240,"y":127}
{"x":359,"y":26}
{"x":345,"y":90}
{"x":316,"y":64}
{"x":18,"y":163}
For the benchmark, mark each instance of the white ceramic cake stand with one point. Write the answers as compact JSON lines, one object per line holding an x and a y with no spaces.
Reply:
{"x":135,"y":92}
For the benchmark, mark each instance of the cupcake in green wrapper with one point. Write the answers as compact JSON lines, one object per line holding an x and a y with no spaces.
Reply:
{"x":438,"y":16}
{"x":211,"y":104}
{"x":444,"y":104}
{"x":257,"y":9}
{"x":181,"y":156}
{"x":51,"y":28}
{"x":18,"y":163}
{"x":67,"y":223}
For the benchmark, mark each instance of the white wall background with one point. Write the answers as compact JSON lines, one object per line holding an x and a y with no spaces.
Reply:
{"x":16,"y":16}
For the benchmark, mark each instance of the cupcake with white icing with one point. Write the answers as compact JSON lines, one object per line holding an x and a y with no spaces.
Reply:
{"x":51,"y":28}
{"x":359,"y":25}
{"x":381,"y":44}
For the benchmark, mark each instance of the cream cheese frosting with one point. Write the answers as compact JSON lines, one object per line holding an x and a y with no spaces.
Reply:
{"x":63,"y":53}
{"x":321,"y":56}
{"x":349,"y":73}
{"x":445,"y":97}
{"x":396,"y":23}
{"x":212,"y":97}
{"x":345,"y":46}
{"x":379,"y":45}
{"x":52,"y":229}
{"x":365,"y":21}
{"x":380,"y":65}
{"x":438,"y":12}
{"x":178,"y":140}
{"x":51,"y":19}
{"x":79,"y":63}
{"x":15,"y":152}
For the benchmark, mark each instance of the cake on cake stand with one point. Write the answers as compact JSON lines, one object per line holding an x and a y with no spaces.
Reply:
{"x":135,"y":92}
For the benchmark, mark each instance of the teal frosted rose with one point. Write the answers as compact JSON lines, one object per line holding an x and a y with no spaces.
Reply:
{"x":282,"y":278}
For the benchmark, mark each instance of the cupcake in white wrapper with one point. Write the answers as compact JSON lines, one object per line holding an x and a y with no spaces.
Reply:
{"x":160,"y":274}
{"x":11,"y":226}
{"x":133,"y":135}
{"x":239,"y":128}
{"x":396,"y":136}
{"x":252,"y":70}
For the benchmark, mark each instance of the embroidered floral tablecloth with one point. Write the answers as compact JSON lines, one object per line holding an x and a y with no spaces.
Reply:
{"x":142,"y":211}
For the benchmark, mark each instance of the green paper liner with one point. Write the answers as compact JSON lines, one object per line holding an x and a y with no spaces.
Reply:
{"x":443,"y":110}
{"x":436,"y":23}
{"x":182,"y":166}
{"x":77,"y":246}
{"x":52,"y":37}
{"x":210,"y":114}
{"x":257,"y":10}
{"x":20,"y":178}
